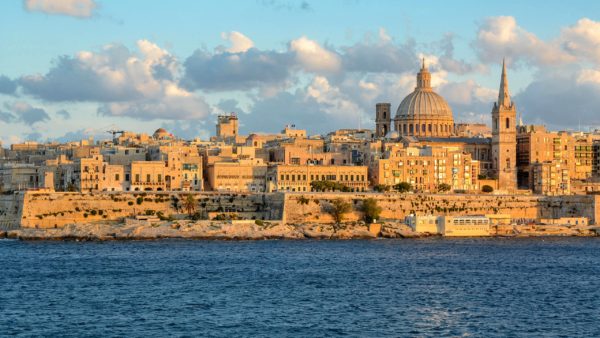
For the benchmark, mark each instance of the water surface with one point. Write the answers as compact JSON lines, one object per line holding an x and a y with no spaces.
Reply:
{"x":429,"y":287}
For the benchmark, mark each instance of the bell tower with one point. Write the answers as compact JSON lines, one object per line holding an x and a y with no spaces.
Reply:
{"x":383,"y":120}
{"x":504,"y":137}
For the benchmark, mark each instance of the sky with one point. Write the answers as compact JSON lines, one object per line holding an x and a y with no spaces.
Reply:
{"x":73,"y":69}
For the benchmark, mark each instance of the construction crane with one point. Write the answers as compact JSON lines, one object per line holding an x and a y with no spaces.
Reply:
{"x":114,"y":134}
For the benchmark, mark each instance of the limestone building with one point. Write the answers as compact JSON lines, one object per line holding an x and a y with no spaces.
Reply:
{"x":422,"y":113}
{"x":282,"y":177}
{"x":504,"y":137}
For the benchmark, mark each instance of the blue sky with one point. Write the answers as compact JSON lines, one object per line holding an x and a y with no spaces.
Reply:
{"x":70,"y":68}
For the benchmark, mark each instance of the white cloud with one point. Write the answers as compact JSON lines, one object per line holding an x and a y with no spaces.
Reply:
{"x":582,"y":39}
{"x":239,"y":42}
{"x":142,"y":84}
{"x":76,"y":8}
{"x":501,"y":36}
{"x":314,"y":58}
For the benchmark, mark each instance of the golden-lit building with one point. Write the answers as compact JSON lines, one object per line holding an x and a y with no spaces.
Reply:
{"x":238,"y":176}
{"x":550,"y":178}
{"x":147,"y":176}
{"x":283,"y":177}
{"x":423,"y":113}
{"x":426,"y":168}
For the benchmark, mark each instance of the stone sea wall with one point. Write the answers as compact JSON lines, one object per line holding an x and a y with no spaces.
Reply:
{"x":313,"y":207}
{"x":55,"y":210}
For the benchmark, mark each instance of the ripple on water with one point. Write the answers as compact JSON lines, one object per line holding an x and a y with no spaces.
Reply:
{"x":429,"y":287}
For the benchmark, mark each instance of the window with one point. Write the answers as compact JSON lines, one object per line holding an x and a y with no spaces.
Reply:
{"x":137,"y":178}
{"x":127,"y":177}
{"x":507,"y":123}
{"x":147,"y":177}
{"x":117,"y":177}
{"x":160,"y":178}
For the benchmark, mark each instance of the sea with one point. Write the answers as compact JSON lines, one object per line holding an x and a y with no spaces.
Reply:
{"x":434,"y":287}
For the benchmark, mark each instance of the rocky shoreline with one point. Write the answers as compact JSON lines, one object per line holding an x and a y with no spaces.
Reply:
{"x":223,"y":230}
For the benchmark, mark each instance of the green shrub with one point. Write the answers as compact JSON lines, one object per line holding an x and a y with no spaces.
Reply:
{"x":371,"y":210}
{"x":130,"y":203}
{"x":338,"y":209}
{"x":487,"y":189}
{"x":259,"y":222}
{"x":139,"y":200}
{"x":403,"y":187}
{"x":93,"y":212}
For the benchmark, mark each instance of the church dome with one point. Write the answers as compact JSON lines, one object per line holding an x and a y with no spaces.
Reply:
{"x":161,"y":133}
{"x":423,"y":112}
{"x":425,"y":104}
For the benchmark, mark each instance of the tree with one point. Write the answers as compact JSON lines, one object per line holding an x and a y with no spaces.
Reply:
{"x":189,"y":204}
{"x":175,"y":203}
{"x":371,"y":210}
{"x":329,"y":186}
{"x":403,"y":187}
{"x":381,"y":187}
{"x":338,"y":209}
{"x":487,"y":188}
{"x":443,"y":187}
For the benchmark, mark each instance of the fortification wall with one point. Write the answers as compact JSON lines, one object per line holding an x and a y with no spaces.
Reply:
{"x":53,"y":210}
{"x":313,"y":207}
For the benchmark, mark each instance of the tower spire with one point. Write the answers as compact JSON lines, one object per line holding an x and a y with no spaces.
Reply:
{"x":503,"y":94}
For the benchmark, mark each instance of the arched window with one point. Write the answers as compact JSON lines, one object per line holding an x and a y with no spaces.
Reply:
{"x":410,"y":128}
{"x":384,"y":115}
{"x":507,"y":123}
{"x":423,"y":127}
{"x":385,"y":130}
{"x":429,"y":128}
{"x":404,"y":128}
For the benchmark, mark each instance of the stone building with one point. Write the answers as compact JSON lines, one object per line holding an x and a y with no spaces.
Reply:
{"x":147,"y":176}
{"x":422,"y":113}
{"x":282,"y":177}
{"x":504,"y":137}
{"x":425,"y":168}
{"x":550,"y":178}
{"x":240,"y":176}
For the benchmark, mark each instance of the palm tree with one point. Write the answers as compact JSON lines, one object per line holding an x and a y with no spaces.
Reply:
{"x":189,"y":204}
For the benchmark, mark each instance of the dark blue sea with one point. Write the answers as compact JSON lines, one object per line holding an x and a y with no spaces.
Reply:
{"x":358,"y":288}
